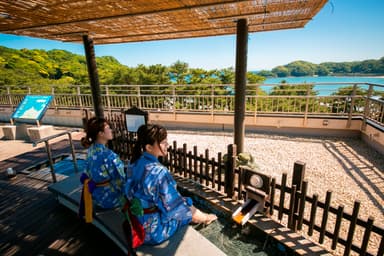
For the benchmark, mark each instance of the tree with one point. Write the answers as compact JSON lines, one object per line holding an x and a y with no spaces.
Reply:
{"x":226,"y":75}
{"x":343,"y":103}
{"x":179,"y":71}
{"x":281,"y":71}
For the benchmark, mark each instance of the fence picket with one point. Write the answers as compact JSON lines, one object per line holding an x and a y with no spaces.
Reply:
{"x":213,"y":174}
{"x":324,"y":220}
{"x":219,"y":170}
{"x":302,"y":204}
{"x":291,"y":215}
{"x":352,"y":226}
{"x":190,"y":160}
{"x":282,"y":195}
{"x":201,"y":169}
{"x":206,"y":165}
{"x":195,"y":165}
{"x":230,"y":170}
{"x":272,"y":196}
{"x":184,"y":157}
{"x":313,"y":214}
{"x":339,"y":218}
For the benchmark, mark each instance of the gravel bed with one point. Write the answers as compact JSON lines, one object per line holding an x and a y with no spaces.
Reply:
{"x":346,"y":166}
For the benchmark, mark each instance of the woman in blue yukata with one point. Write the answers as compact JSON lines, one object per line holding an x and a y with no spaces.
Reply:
{"x":104,"y":173}
{"x":165,"y":210}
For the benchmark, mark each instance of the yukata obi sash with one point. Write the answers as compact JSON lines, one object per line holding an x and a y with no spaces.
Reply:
{"x":86,"y":205}
{"x":133,"y":229}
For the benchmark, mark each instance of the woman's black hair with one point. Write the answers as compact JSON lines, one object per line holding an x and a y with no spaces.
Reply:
{"x":147,"y":134}
{"x":92,"y":128}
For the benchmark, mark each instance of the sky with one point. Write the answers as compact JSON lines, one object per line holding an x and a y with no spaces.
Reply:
{"x":344,"y":30}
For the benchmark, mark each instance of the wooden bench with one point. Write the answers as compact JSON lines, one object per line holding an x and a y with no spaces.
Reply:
{"x":186,"y":241}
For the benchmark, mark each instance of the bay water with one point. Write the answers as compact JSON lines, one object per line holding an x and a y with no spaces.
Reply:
{"x":329,"y":85}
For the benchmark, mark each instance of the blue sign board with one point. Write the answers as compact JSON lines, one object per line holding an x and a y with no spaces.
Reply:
{"x":32,"y":107}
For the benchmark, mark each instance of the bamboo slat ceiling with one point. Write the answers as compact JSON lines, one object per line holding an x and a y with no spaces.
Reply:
{"x":113,"y":21}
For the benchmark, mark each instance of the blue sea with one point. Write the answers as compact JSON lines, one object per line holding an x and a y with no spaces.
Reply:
{"x":328,"y":88}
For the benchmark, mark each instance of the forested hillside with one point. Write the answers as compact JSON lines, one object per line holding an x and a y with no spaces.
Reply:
{"x":59,"y":67}
{"x":304,"y":68}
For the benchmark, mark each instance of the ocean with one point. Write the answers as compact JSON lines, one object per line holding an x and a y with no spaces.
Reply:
{"x":329,"y":88}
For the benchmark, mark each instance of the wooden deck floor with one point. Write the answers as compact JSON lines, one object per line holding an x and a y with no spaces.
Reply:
{"x":31,"y":220}
{"x":33,"y":223}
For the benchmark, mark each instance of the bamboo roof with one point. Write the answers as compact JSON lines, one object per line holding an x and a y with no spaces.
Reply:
{"x":114,"y":21}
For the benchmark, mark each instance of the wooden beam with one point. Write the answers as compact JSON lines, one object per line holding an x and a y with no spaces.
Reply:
{"x":124,"y":15}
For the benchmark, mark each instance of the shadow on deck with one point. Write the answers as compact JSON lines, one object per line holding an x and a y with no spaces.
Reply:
{"x":32,"y":221}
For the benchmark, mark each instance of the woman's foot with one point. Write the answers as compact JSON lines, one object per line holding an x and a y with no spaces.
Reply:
{"x":200,"y":217}
{"x":209,"y":218}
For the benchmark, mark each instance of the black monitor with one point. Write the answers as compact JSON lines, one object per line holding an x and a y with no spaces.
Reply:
{"x":134,"y":118}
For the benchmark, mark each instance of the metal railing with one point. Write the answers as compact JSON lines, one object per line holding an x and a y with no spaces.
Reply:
{"x":343,"y":99}
{"x":49,"y":153}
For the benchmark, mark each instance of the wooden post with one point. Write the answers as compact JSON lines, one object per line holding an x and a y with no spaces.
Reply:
{"x":291,"y":215}
{"x":297,"y":180}
{"x":219,"y":170}
{"x":336,"y":232}
{"x":93,"y":76}
{"x":230,"y":166}
{"x":303,"y":193}
{"x":240,"y":82}
{"x":206,"y":167}
{"x":324,"y":220}
{"x":313,"y":214}
{"x":282,"y":196}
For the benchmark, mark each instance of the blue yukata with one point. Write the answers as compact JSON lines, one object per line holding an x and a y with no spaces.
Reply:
{"x":151,"y":182}
{"x":106,"y":169}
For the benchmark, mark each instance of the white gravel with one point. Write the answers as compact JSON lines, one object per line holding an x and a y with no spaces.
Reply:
{"x":346,"y":166}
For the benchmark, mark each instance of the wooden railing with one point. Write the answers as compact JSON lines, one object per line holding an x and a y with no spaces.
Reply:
{"x":285,"y":202}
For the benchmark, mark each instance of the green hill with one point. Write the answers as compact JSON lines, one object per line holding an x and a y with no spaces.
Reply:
{"x":304,"y":68}
{"x":60,"y":67}
{"x":27,"y":67}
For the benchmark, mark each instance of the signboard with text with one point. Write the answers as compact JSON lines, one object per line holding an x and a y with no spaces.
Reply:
{"x":32,"y":107}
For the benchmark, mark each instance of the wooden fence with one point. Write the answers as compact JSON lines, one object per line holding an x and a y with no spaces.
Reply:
{"x":304,"y":213}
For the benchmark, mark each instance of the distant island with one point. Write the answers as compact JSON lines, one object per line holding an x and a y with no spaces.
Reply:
{"x":304,"y":68}
{"x":60,"y":67}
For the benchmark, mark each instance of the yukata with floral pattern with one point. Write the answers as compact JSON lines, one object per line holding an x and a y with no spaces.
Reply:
{"x":105,"y":166}
{"x":150,"y":182}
